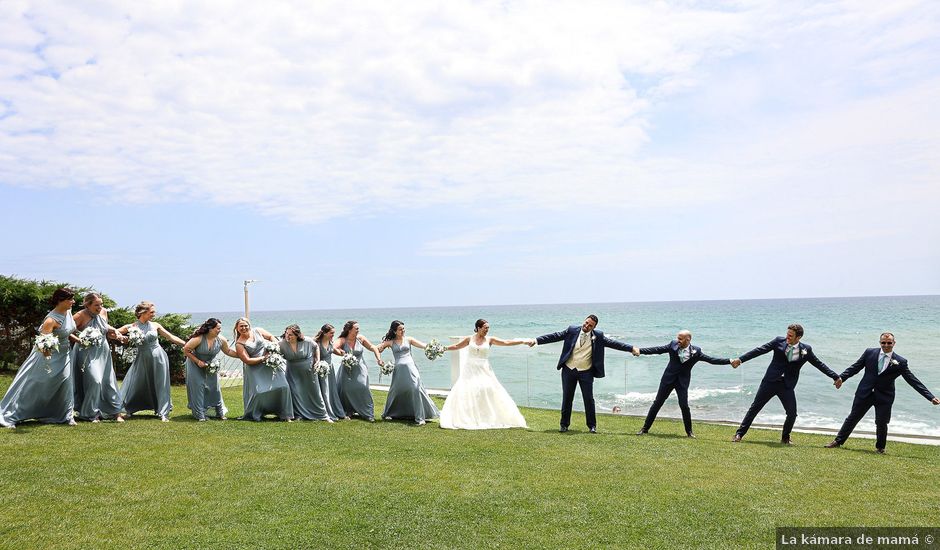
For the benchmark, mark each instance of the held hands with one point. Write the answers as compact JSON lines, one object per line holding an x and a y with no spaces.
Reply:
{"x":530,"y":342}
{"x":735,"y":363}
{"x":636,"y":351}
{"x":837,"y":383}
{"x":935,"y":400}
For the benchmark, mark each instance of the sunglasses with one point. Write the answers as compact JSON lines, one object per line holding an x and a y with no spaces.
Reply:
{"x":887,"y":343}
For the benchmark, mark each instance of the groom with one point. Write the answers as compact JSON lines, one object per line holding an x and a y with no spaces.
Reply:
{"x":581,"y":361}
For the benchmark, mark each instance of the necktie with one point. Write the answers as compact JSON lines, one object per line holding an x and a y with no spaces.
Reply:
{"x":583,"y":338}
{"x":684,"y":355}
{"x":884,"y":364}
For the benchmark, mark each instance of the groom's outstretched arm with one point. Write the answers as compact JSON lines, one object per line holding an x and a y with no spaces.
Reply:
{"x":553,"y":337}
{"x":617,"y":344}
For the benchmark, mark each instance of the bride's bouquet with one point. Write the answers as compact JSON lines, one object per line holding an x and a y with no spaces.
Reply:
{"x":350,"y":361}
{"x":89,"y":337}
{"x":214,"y":366}
{"x":434,"y":350}
{"x":273,"y":357}
{"x":135,"y":336}
{"x":387,"y":368}
{"x":322,"y":368}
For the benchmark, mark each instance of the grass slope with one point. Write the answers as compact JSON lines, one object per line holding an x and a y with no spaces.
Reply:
{"x":353,"y":484}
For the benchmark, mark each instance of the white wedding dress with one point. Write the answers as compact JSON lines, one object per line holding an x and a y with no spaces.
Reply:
{"x":478,"y":401}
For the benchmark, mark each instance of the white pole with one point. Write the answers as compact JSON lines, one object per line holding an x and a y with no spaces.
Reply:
{"x":248,"y":282}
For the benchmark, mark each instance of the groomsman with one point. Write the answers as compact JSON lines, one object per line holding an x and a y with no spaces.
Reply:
{"x":581,"y":361}
{"x":782,"y":375}
{"x":682,"y":357}
{"x":876,"y":389}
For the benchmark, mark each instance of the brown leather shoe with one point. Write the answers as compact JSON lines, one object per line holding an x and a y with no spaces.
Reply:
{"x":736,"y":438}
{"x":642,"y":432}
{"x":833,"y":444}
{"x":880,"y":451}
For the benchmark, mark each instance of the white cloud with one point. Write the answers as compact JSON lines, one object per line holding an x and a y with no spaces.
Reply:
{"x":315,"y":111}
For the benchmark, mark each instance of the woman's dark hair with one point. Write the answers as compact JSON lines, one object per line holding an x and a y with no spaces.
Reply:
{"x":479,"y":324}
{"x":60,"y":295}
{"x":204,"y":328}
{"x":323,"y":330}
{"x":346,"y":328}
{"x":392,"y":329}
{"x":295,"y":330}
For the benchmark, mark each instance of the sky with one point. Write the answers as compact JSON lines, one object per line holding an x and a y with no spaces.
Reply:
{"x":389,"y":154}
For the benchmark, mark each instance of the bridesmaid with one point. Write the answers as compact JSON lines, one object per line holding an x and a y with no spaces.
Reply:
{"x":147,"y":382}
{"x":328,"y":386}
{"x":263,"y":391}
{"x":301,"y":355}
{"x":43,"y":387}
{"x":202,"y":387}
{"x":96,"y":390}
{"x":354,"y":390}
{"x":407,"y":398}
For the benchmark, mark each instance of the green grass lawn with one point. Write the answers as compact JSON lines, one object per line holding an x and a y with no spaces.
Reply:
{"x":353,"y":484}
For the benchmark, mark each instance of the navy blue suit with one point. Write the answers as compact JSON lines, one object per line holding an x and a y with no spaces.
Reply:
{"x":677,"y":377}
{"x":780,"y":380}
{"x":877,"y":390}
{"x":571,"y":378}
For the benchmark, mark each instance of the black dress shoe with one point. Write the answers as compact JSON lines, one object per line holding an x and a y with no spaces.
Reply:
{"x":563,"y":429}
{"x":593,"y":430}
{"x":880,"y":451}
{"x":642,"y":432}
{"x":736,"y":439}
{"x":786,"y":442}
{"x":691,"y":435}
{"x":833,"y":444}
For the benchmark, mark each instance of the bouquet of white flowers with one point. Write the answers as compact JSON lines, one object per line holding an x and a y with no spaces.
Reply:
{"x":47,"y":343}
{"x":387,"y":368}
{"x":135,"y":336}
{"x":273,"y":357}
{"x":91,"y":336}
{"x":214,"y":366}
{"x":350,"y":361}
{"x":322,"y":368}
{"x":434,"y":350}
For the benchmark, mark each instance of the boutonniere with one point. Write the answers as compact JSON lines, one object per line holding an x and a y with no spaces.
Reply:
{"x":593,"y":337}
{"x":802,"y":351}
{"x":894,"y":361}
{"x":692,"y":351}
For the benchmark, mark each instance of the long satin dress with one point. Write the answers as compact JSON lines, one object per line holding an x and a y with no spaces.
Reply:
{"x":202,"y":387}
{"x":43,"y":387}
{"x":407,"y":397}
{"x":99,"y":396}
{"x":147,"y":383}
{"x":264,"y":390}
{"x":354,"y":385}
{"x":304,"y":386}
{"x":329,"y":386}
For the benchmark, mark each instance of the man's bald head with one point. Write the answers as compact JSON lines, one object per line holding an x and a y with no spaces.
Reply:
{"x":684,"y":337}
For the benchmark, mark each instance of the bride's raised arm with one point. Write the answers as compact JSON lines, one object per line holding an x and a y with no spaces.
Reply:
{"x":461,"y":344}
{"x":417,"y":343}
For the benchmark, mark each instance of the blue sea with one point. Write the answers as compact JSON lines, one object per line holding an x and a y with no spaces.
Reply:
{"x":839,"y":329}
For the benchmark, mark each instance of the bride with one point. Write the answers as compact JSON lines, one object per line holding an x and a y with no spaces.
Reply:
{"x":478,"y":401}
